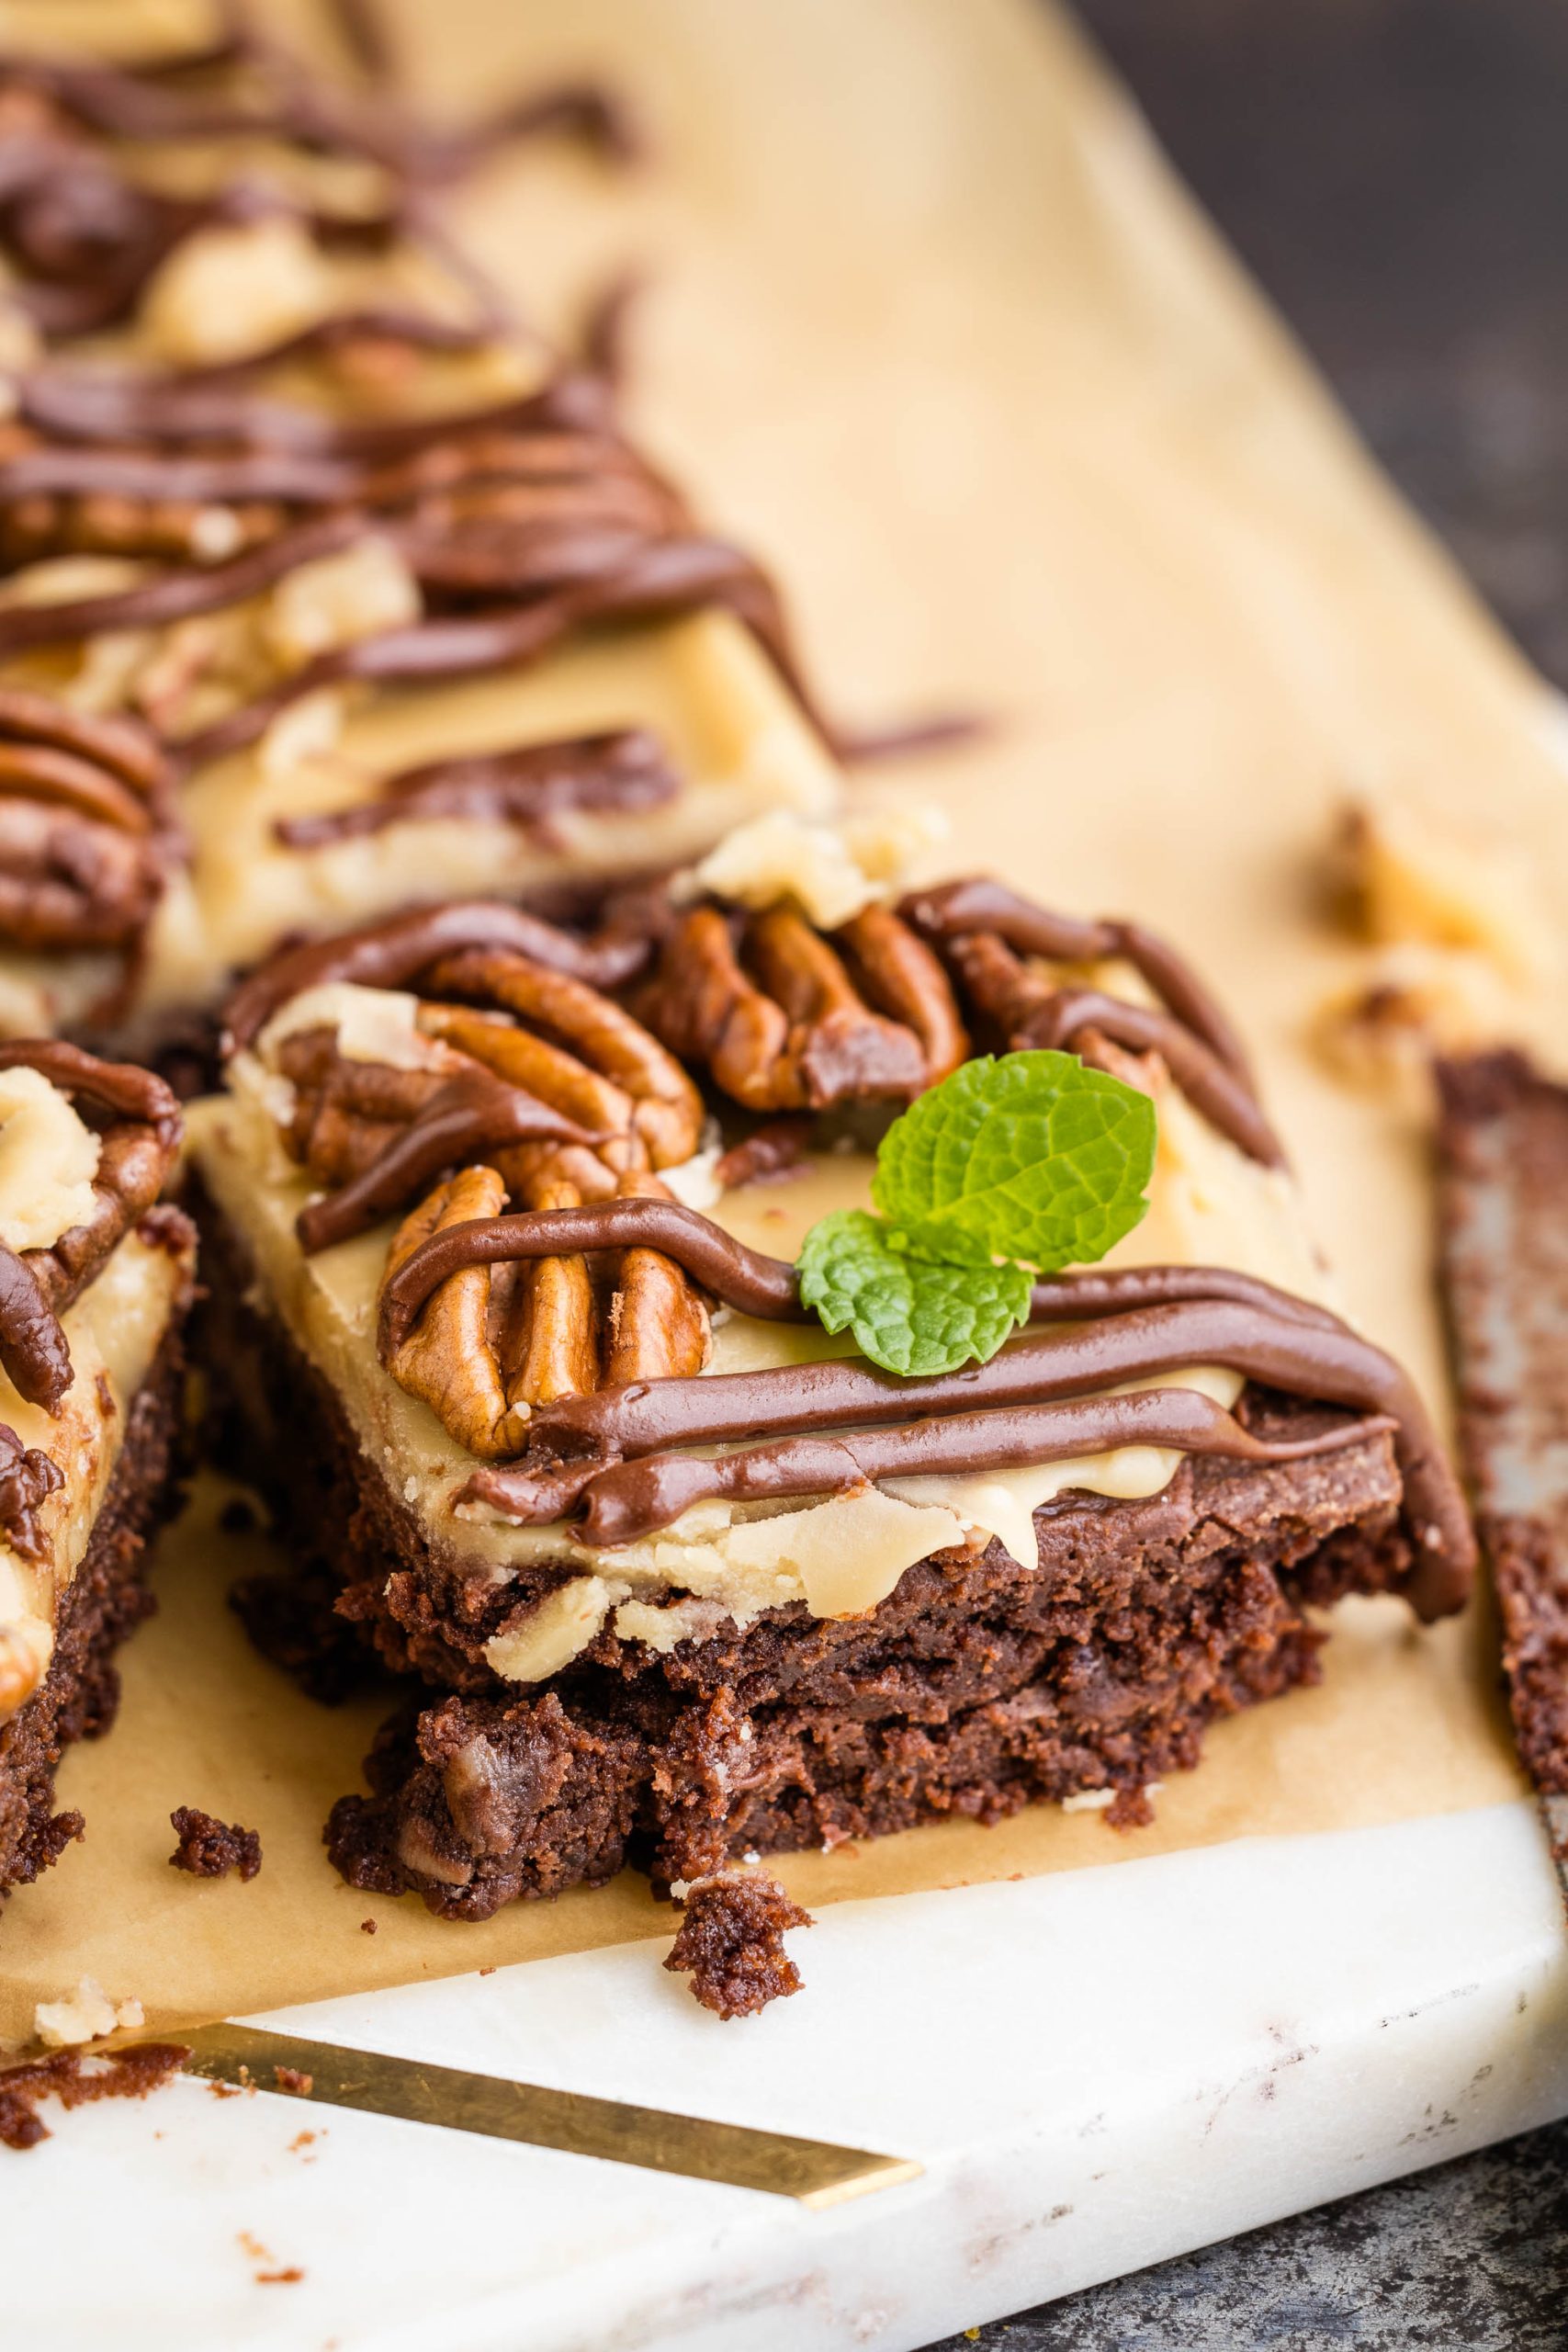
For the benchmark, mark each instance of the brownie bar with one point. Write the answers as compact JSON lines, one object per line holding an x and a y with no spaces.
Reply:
{"x":973,"y":1688}
{"x":1503,"y":1181}
{"x":105,"y":1601}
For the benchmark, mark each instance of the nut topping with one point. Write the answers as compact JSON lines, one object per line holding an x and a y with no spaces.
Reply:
{"x":448,"y":1357}
{"x":800,"y":1035}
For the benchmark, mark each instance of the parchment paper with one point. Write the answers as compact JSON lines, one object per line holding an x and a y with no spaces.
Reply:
{"x":930,"y":323}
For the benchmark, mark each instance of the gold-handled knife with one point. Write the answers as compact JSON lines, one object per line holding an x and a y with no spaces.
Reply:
{"x":814,"y":2172}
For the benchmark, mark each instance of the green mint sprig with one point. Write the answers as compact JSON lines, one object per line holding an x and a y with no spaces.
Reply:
{"x":1011,"y":1168}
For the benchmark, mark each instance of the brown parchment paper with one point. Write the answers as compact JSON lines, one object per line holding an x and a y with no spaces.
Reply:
{"x":930,"y":322}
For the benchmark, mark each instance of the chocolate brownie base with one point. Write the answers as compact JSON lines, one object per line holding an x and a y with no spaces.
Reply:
{"x":973,"y":1689}
{"x":105,"y":1600}
{"x":1503,"y":1186}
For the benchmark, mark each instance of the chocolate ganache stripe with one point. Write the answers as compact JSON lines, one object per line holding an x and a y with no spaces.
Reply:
{"x":634,"y":1499}
{"x":650,"y":581}
{"x":1065,"y":1019}
{"x":980,"y":905}
{"x":527,"y":786}
{"x":1224,"y":1318}
{"x":391,"y":953}
{"x":178,"y":594}
{"x":192,"y":408}
{"x":748,"y":1279}
{"x":475,"y":1113}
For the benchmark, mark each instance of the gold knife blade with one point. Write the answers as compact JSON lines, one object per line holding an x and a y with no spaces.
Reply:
{"x":813,"y":2172}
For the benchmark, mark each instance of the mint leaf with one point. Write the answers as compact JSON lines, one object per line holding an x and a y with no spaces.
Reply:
{"x":907,"y":1313}
{"x":1032,"y":1157}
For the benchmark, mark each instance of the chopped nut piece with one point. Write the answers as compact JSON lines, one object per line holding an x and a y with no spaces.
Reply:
{"x":1411,"y":1003}
{"x":1409,"y":878}
{"x":234,"y":288}
{"x":830,"y":872}
{"x":338,"y":598}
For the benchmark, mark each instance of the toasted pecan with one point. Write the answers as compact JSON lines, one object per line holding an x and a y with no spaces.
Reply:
{"x":782,"y":1025}
{"x":448,"y":1357}
{"x":667,"y":1111}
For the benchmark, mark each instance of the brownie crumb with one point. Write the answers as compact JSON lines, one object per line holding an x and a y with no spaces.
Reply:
{"x":291,"y":2079}
{"x":368,"y":1926}
{"x":74,"y":2081}
{"x":210,"y":1849}
{"x":730,"y":1944}
{"x":1129,"y":1809}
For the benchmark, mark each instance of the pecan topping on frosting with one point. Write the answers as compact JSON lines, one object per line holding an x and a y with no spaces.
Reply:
{"x":138,"y":1127}
{"x":84,"y":826}
{"x":771,"y":1007}
{"x":548,"y":1296}
{"x":513,"y":1081}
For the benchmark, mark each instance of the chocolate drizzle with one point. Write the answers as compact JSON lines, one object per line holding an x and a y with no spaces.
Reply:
{"x":529,"y":787}
{"x":473,"y":1115}
{"x":85,"y":233}
{"x":1134,"y":1327}
{"x":632,"y":1498}
{"x":393,"y":953}
{"x":986,"y":930}
{"x":139,"y":1138}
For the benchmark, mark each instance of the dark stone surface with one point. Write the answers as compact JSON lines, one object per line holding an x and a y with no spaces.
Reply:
{"x":1471,"y":2258}
{"x":1396,"y":173}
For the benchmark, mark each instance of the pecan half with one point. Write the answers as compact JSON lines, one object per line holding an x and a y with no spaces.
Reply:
{"x":83,"y":801}
{"x":658,"y":1322}
{"x":552,"y":1349}
{"x":448,"y":1357}
{"x":798,"y":1035}
{"x":347,"y":1112}
{"x":667,"y":1109}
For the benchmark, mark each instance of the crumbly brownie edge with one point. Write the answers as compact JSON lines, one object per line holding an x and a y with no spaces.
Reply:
{"x":105,"y":1600}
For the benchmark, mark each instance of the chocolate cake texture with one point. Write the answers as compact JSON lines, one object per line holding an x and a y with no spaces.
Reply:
{"x":670,"y":1577}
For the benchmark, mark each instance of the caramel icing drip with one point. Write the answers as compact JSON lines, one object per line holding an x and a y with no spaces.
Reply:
{"x":531,"y":787}
{"x":139,"y":1126}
